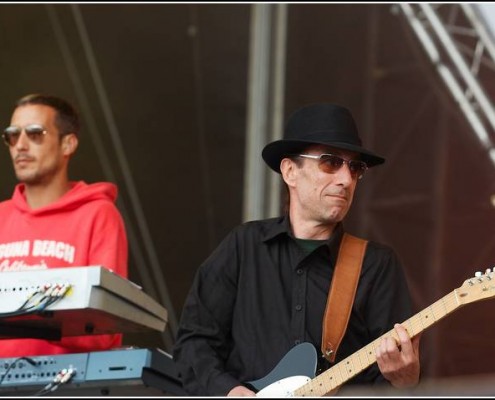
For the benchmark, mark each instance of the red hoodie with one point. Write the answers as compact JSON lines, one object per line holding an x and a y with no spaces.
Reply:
{"x":82,"y":228}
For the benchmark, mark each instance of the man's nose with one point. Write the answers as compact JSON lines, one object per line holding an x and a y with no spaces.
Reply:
{"x":22,"y":140}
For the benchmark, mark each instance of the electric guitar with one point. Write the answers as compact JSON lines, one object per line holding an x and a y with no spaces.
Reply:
{"x":294,"y":375}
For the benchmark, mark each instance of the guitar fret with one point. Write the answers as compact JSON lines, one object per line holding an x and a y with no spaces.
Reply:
{"x":418,"y":323}
{"x":421,"y":321}
{"x":324,"y":386}
{"x":432,"y":310}
{"x":411,"y":327}
{"x":339,"y":369}
{"x":310,"y":388}
{"x":365,"y":361}
{"x":445,"y":304}
{"x":425,"y":319}
{"x":370,"y":353}
{"x":356,"y":360}
{"x":361,"y":364}
{"x":348,"y":368}
{"x":332,"y":381}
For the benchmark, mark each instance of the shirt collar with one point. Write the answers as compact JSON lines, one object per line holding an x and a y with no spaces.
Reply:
{"x":282,"y":226}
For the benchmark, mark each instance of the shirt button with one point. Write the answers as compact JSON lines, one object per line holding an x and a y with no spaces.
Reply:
{"x":299,"y":271}
{"x":298,"y":307}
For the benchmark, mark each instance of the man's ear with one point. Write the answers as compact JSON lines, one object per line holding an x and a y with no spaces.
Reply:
{"x":289,"y":171}
{"x":69,"y":144}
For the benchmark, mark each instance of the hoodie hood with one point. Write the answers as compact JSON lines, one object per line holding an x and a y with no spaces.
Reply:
{"x":80,"y":194}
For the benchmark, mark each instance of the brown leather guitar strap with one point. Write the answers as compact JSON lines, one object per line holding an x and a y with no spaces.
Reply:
{"x":341,"y":295}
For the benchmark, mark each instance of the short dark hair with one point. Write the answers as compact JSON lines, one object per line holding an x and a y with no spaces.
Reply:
{"x":67,"y":118}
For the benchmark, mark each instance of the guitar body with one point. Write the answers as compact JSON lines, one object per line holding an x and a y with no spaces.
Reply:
{"x":296,"y":368}
{"x":284,"y":387}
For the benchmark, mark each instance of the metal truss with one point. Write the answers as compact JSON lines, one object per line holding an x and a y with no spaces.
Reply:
{"x":462,"y":50}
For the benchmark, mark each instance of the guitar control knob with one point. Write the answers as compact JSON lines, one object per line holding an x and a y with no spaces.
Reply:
{"x":477,"y":274}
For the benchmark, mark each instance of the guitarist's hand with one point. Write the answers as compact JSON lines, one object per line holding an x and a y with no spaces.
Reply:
{"x":399,"y":362}
{"x":241,"y":391}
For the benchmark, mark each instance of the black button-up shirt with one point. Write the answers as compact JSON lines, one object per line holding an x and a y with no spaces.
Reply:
{"x":259,"y":294}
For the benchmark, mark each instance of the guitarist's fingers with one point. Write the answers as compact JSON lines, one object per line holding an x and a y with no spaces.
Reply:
{"x":399,"y":366}
{"x":241,"y":391}
{"x":390,"y":346}
{"x":409,"y":347}
{"x":404,"y":339}
{"x":392,"y":350}
{"x":415,"y":342}
{"x":386,"y":350}
{"x":387,"y":354}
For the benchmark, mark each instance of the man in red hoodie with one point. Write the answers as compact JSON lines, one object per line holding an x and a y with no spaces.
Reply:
{"x":52,"y":222}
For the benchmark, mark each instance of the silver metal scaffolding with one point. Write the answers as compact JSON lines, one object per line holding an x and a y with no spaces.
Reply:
{"x":265,"y":107}
{"x":462,"y":49}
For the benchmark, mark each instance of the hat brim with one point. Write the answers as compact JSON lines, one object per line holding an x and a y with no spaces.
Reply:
{"x":275,"y":152}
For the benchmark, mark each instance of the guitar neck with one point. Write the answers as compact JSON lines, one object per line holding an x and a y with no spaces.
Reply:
{"x":349,"y":367}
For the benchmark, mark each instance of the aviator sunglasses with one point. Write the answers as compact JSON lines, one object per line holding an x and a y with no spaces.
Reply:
{"x":34,"y":132}
{"x":330,"y":164}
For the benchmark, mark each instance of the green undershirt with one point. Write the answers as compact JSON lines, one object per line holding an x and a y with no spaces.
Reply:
{"x":308,"y":245}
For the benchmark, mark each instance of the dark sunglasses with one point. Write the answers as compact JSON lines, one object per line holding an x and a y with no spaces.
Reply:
{"x":331,"y":163}
{"x":34,"y":132}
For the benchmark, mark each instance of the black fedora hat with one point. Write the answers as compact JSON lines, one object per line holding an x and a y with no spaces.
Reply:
{"x":326,"y":124}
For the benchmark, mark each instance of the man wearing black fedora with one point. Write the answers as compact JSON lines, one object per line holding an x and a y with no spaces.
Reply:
{"x":261,"y":296}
